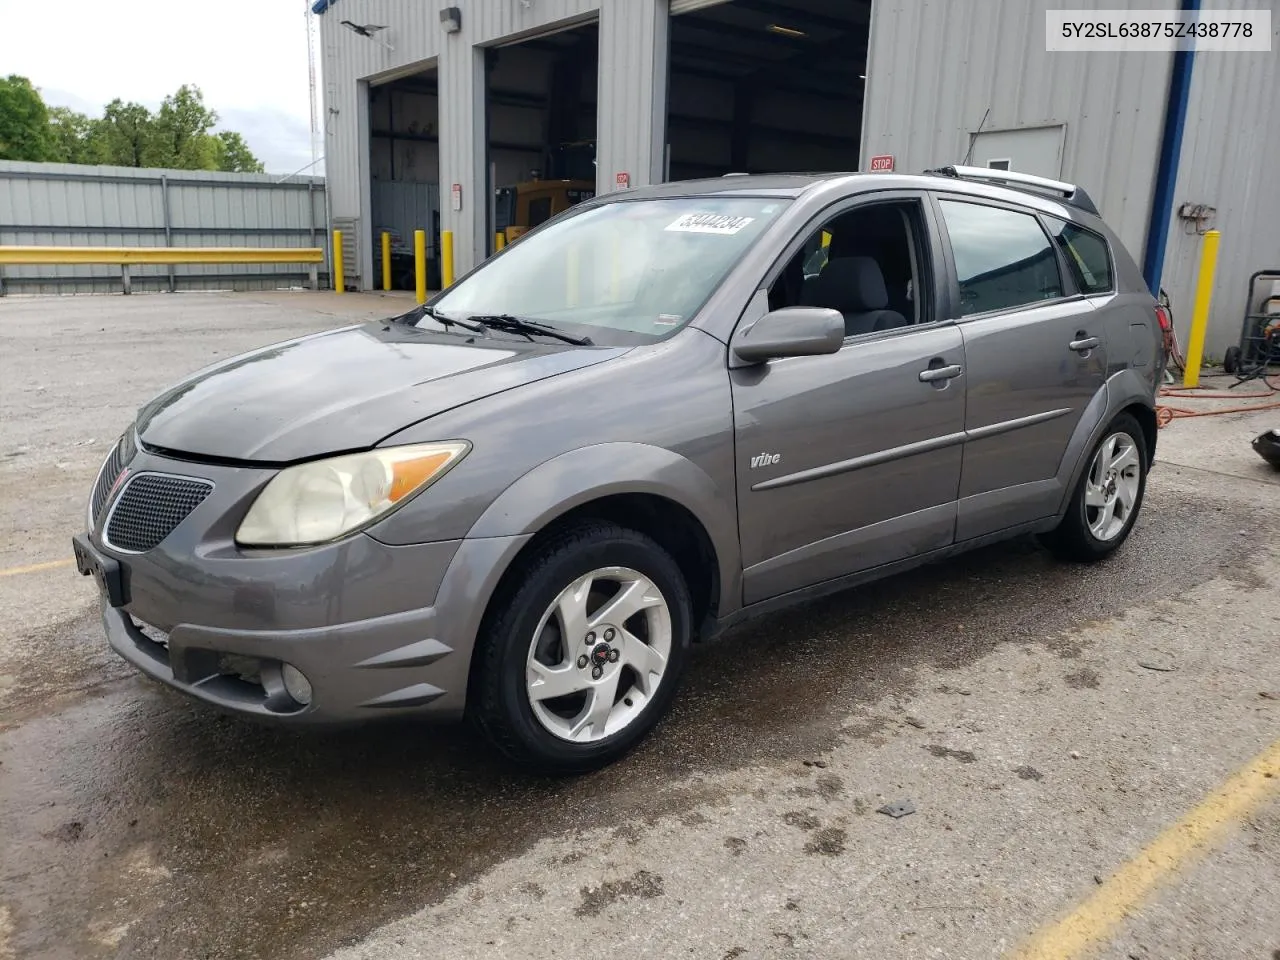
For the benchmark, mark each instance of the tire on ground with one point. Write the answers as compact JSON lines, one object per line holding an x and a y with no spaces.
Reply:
{"x":499,"y":701}
{"x":1072,"y":539}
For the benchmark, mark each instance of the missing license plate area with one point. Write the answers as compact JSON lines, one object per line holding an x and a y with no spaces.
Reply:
{"x":108,"y":573}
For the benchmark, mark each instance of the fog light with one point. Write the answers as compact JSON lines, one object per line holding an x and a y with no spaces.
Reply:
{"x":295,"y":684}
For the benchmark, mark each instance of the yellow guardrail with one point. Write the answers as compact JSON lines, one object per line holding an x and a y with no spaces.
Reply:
{"x":164,"y":255}
{"x":132,"y":256}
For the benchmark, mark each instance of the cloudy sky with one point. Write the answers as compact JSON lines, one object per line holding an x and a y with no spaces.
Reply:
{"x":248,"y":56}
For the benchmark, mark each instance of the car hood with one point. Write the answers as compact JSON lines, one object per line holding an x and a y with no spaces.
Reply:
{"x":342,"y":390}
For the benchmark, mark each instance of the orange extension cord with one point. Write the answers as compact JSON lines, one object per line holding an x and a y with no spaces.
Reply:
{"x":1167,"y":414}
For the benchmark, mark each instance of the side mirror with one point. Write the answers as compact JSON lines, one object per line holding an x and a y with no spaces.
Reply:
{"x":790,"y":332}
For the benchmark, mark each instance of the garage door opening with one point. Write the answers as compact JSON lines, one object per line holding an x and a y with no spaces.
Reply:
{"x":541,"y":96}
{"x":766,"y":86}
{"x":404,"y":163}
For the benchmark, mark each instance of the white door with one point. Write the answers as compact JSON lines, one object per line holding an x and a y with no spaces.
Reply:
{"x":1034,"y":150}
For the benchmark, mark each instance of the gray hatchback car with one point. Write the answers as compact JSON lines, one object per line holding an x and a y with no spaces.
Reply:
{"x":661,"y":412}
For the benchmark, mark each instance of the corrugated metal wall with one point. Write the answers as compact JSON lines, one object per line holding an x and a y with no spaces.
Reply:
{"x":1231,"y":161}
{"x":633,"y":92}
{"x":631,"y":98}
{"x":71,"y":205}
{"x":935,"y":67}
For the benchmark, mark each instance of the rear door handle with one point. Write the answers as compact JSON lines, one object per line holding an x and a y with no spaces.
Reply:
{"x":941,"y":373}
{"x":1088,"y":343}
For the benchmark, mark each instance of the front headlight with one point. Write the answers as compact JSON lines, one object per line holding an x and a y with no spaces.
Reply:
{"x":321,"y":501}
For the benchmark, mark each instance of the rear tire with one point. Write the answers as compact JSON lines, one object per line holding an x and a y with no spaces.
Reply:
{"x":1107,"y":498}
{"x":583,"y":651}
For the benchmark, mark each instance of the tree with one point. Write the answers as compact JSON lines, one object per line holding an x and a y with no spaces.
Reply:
{"x":24,"y":121}
{"x":178,"y":135}
{"x":182,"y":128}
{"x":75,"y":138}
{"x":234,"y":155}
{"x":127,"y":133}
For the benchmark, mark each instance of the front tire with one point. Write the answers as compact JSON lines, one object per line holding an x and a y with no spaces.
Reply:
{"x":582,"y":653}
{"x":1107,"y":498}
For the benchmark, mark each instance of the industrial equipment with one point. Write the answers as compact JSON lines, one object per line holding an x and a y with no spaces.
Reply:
{"x":1259,"y":345}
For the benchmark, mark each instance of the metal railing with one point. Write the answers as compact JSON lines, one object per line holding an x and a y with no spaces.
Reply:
{"x":126,"y":256}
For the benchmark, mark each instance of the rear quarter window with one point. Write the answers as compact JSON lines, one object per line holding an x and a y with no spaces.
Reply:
{"x":1003,"y":258}
{"x":1087,"y":254}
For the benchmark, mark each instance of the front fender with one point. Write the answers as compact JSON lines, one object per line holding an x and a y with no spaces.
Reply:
{"x":589,"y":473}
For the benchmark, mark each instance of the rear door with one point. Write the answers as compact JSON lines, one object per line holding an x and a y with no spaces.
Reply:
{"x":1035,"y":355}
{"x":852,"y":460}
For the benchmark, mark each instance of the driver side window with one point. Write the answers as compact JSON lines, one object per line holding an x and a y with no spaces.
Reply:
{"x":865,"y":263}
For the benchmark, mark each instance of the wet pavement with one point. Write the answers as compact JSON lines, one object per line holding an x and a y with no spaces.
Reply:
{"x":134,"y":823}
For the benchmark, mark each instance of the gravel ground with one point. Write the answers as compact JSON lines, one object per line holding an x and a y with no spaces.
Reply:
{"x":1009,"y":698}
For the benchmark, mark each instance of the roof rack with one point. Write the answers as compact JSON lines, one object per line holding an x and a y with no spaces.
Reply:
{"x":1068,"y":191}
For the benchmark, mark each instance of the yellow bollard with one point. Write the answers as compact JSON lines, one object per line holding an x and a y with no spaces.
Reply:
{"x":386,"y":260}
{"x":1200,"y":313}
{"x":499,"y":240}
{"x":420,"y":264}
{"x":446,"y":259}
{"x":339,"y":278}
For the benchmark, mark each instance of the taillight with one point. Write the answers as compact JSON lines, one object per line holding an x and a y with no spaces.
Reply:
{"x":1162,"y":315}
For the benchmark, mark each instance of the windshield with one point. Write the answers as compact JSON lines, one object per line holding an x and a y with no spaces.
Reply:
{"x":638,"y":267}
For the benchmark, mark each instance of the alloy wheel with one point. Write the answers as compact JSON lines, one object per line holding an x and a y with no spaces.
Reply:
{"x":1111,"y":489}
{"x":598,"y":654}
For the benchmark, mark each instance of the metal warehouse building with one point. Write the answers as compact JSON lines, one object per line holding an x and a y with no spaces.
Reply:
{"x":447,"y":103}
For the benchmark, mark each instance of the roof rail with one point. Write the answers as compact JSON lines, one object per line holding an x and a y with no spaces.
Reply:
{"x":1068,"y":191}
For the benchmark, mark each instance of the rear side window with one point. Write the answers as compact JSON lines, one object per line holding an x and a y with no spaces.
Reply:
{"x":1086,"y":254}
{"x":1003,"y":258}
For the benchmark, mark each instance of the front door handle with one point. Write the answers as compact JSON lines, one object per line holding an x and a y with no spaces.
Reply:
{"x":941,"y":373}
{"x":1081,"y":346}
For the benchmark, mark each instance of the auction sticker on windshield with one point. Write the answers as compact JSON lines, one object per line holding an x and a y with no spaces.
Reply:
{"x":718,"y":223}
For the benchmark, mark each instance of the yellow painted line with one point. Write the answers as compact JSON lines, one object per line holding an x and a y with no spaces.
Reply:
{"x":36,"y":567}
{"x":1095,"y":919}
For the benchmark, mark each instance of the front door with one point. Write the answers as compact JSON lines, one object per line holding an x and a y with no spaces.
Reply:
{"x":852,"y":460}
{"x":1035,"y":356}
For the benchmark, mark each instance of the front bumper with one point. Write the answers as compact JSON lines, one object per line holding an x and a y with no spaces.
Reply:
{"x":376,"y":630}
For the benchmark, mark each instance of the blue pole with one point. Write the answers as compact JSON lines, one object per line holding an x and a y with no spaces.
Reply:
{"x":1175,"y":120}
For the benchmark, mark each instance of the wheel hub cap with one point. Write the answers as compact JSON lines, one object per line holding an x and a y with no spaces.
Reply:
{"x":598,"y":655}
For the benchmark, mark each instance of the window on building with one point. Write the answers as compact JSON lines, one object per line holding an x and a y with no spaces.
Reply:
{"x":1086,"y":254}
{"x":1003,"y":258}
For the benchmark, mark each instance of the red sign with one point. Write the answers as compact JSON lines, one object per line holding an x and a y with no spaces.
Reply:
{"x":457,"y":196}
{"x":882,"y":164}
{"x":622,"y":180}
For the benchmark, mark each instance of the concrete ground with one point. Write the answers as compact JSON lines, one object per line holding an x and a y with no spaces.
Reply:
{"x":1046,"y":721}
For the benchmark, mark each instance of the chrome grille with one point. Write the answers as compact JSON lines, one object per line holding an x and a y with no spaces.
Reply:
{"x":151,"y":505}
{"x":116,"y":461}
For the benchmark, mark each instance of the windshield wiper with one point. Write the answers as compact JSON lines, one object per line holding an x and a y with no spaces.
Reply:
{"x":508,"y":323}
{"x":417,"y":313}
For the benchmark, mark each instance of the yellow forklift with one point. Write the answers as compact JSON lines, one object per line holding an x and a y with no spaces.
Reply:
{"x":521,"y":207}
